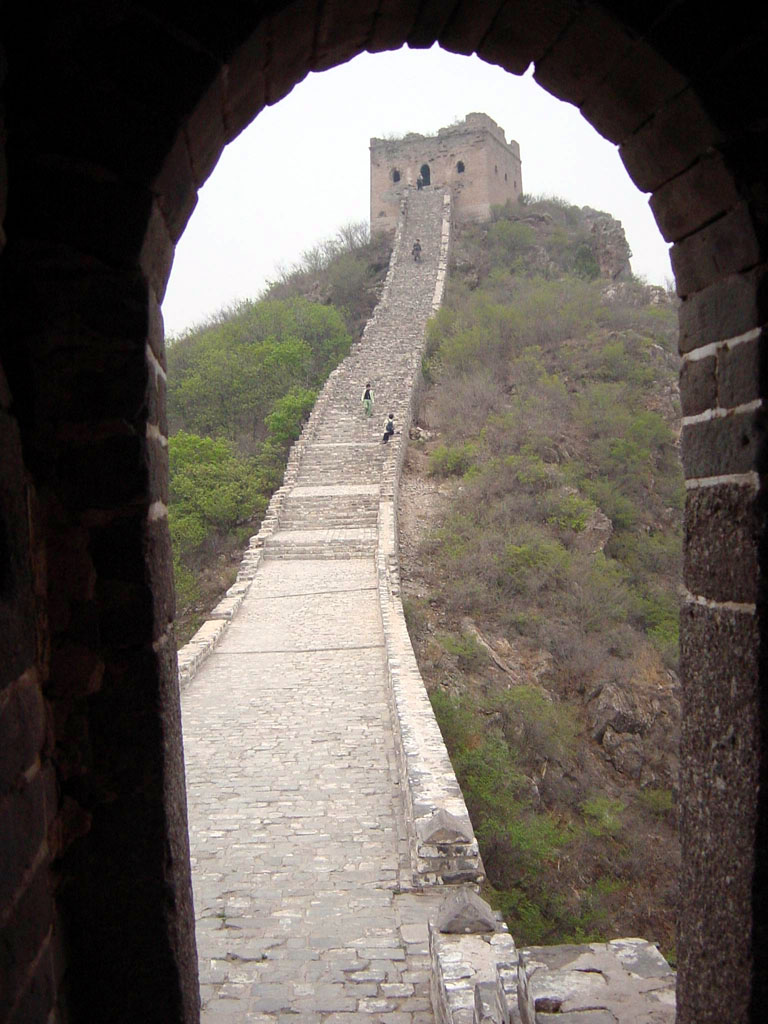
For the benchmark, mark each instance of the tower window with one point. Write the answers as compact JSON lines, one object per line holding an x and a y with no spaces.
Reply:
{"x":460,"y":166}
{"x":395,"y":174}
{"x":424,"y":173}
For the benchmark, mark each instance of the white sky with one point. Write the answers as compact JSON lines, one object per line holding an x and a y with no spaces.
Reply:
{"x":301,"y":169}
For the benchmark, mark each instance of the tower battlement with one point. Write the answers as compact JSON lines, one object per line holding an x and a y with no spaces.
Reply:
{"x":472,"y":157}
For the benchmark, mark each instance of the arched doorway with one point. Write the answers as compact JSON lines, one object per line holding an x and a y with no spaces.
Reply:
{"x":425,"y":175}
{"x":102,"y":173}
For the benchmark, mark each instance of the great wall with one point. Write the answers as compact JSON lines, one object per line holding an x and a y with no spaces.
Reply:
{"x":334,"y":863}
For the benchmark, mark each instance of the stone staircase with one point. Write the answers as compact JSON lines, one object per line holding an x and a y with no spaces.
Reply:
{"x":329,"y":509}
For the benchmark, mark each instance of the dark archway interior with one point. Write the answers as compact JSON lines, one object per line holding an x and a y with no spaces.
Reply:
{"x":395,"y":175}
{"x":112,"y":116}
{"x":425,"y":175}
{"x":460,"y":167}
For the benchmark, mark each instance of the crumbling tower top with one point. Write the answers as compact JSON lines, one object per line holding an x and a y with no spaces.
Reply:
{"x":472,"y":157}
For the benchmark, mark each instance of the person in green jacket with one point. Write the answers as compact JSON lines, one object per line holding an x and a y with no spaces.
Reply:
{"x":368,"y":399}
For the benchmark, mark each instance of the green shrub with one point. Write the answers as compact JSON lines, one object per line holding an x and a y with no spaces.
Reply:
{"x":603,"y":816}
{"x":534,"y":561}
{"x":470,"y":654}
{"x":658,"y":801}
{"x":535,"y":727}
{"x":568,"y":511}
{"x":445,"y":461}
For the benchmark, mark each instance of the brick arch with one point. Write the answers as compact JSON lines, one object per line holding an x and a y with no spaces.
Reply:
{"x":113,"y":117}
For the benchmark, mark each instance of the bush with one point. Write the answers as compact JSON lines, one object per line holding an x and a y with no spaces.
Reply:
{"x":465,"y":648}
{"x":603,"y":816}
{"x":659,"y":802}
{"x":568,"y":511}
{"x":445,"y":461}
{"x":535,"y":727}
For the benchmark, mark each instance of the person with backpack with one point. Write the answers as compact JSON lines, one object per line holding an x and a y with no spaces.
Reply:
{"x":389,"y":428}
{"x":368,"y":399}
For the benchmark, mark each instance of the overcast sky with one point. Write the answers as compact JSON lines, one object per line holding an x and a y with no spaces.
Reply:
{"x":301,"y":170}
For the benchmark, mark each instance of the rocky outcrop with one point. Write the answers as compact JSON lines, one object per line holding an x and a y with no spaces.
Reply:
{"x":609,"y":245}
{"x":637,"y":724}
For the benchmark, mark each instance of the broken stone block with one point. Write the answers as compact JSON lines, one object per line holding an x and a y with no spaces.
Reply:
{"x":444,"y":827}
{"x":466,"y":913}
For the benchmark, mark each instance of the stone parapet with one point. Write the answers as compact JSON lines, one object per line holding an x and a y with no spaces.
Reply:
{"x":474,"y":978}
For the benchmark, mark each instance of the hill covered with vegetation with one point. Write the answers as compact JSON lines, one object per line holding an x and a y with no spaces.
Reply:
{"x":239,"y":389}
{"x":541,"y":543}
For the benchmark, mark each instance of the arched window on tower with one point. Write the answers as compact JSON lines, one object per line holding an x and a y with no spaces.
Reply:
{"x":460,"y":166}
{"x":395,"y":174}
{"x":424,"y":173}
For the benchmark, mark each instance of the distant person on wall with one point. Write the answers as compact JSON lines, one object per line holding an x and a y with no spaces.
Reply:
{"x":416,"y":251}
{"x":368,"y":399}
{"x":419,"y":183}
{"x":389,"y":428}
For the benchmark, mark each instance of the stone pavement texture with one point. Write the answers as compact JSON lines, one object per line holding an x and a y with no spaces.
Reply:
{"x":302,"y":875}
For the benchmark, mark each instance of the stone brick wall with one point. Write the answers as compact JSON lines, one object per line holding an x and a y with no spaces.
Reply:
{"x":473,"y":158}
{"x":98,"y":176}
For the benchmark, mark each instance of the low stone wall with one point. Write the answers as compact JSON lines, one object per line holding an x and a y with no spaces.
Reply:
{"x":442,"y":842}
{"x":474,"y":978}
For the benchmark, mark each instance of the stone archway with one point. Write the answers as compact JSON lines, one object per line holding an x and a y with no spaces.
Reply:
{"x":113,"y":117}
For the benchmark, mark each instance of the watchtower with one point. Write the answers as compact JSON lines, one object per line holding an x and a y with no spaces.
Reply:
{"x":472,"y":157}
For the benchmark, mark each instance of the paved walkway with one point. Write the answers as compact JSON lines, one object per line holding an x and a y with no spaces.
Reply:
{"x":300,"y":857}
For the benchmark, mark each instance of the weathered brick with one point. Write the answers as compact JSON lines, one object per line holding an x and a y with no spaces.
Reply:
{"x":76,"y":671}
{"x":291,"y":35}
{"x":727,"y":246}
{"x":103,"y":382}
{"x":58,"y":199}
{"x":431,"y":18}
{"x":175,"y":187}
{"x":23,"y":827}
{"x":156,"y":401}
{"x":22,"y":937}
{"x":725,"y":309}
{"x":672,"y":140}
{"x":157,"y":458}
{"x":156,"y":329}
{"x":637,"y":87}
{"x":718,"y":805}
{"x":39,"y":998}
{"x":469,"y":25}
{"x":522,"y":34}
{"x":105,"y":473}
{"x":725,"y":444}
{"x":698,"y":385}
{"x":693,"y":198}
{"x":156,"y":256}
{"x":582,"y":56}
{"x":742,"y":374}
{"x":334,"y":46}
{"x":720,"y":554}
{"x":22,"y":729}
{"x":205,"y":130}
{"x":18,"y":640}
{"x":159,"y":561}
{"x":246,"y":92}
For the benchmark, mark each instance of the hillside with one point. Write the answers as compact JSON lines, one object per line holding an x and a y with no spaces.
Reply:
{"x":540,"y":547}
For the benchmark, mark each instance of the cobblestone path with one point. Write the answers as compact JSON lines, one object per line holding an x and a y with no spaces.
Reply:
{"x":299,"y":853}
